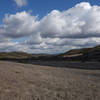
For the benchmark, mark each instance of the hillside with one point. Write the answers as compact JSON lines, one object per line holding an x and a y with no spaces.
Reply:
{"x":14,"y":55}
{"x":83,"y":50}
{"x":84,"y":54}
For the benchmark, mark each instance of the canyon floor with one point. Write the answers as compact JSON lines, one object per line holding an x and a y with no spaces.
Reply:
{"x":50,"y":81}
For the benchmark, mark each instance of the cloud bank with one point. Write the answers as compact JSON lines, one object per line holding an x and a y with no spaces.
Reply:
{"x":56,"y":32}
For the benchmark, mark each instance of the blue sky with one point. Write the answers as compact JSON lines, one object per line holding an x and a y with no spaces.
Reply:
{"x":40,"y":7}
{"x":49,"y":26}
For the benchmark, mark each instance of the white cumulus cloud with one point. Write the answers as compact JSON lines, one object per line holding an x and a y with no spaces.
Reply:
{"x":18,"y":25}
{"x":58,"y":31}
{"x":21,"y":3}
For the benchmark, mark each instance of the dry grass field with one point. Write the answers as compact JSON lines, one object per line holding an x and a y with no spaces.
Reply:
{"x":44,"y":81}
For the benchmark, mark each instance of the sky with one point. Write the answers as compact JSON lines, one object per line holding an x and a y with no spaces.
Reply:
{"x":48,"y":26}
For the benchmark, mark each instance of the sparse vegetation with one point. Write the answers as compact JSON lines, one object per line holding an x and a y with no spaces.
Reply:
{"x":85,"y":54}
{"x":50,"y":77}
{"x":42,"y":82}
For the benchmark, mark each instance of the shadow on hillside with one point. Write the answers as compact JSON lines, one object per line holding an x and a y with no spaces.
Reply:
{"x":62,"y":64}
{"x":74,"y":65}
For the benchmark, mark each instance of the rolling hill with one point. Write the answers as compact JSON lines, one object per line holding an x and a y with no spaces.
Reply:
{"x":84,"y":54}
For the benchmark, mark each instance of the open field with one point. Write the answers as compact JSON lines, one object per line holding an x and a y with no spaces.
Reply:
{"x":49,"y":81}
